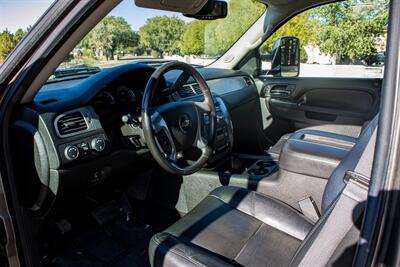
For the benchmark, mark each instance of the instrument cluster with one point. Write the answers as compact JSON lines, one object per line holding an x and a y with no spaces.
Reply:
{"x":122,"y":96}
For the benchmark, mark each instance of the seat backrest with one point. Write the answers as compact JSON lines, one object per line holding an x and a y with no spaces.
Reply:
{"x":341,"y":249}
{"x":335,"y":183}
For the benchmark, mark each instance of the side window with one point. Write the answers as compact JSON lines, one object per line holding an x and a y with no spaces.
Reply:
{"x":346,"y":39}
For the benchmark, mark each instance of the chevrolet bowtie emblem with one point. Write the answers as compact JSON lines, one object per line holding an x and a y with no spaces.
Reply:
{"x":184,"y":122}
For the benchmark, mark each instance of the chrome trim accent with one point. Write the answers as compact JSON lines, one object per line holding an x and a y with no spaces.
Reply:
{"x":66,"y":152}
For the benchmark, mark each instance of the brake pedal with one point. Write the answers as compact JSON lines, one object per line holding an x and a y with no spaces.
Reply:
{"x":63,"y":226}
{"x":125,"y":206}
{"x":107,"y":213}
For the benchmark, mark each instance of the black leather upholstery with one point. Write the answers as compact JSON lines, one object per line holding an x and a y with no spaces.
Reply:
{"x":348,"y":133}
{"x":310,"y":158}
{"x":232,"y":226}
{"x":335,"y":183}
{"x":238,"y":227}
{"x":275,"y":150}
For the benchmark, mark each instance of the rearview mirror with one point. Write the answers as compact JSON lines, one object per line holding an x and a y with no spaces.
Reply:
{"x":285,"y":57}
{"x":212,"y":10}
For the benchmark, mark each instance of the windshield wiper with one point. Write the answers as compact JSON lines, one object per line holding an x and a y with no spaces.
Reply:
{"x":75,"y":70}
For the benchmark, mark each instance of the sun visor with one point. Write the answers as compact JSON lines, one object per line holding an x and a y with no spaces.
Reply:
{"x":182,"y":6}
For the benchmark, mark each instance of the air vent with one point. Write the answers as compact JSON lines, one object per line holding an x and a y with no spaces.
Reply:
{"x":196,"y":88}
{"x":48,"y":101}
{"x":248,"y":81}
{"x":186,"y":91}
{"x":189,"y":90}
{"x":71,"y":123}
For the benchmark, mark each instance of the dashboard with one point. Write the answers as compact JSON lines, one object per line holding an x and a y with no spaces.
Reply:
{"x":86,"y":131}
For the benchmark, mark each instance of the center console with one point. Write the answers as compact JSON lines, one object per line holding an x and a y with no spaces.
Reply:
{"x":224,"y":131}
{"x":305,"y":164}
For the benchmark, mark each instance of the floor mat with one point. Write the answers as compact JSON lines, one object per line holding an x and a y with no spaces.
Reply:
{"x":117,"y":244}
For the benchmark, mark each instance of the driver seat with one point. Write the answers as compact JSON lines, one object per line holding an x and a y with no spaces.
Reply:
{"x":238,"y":227}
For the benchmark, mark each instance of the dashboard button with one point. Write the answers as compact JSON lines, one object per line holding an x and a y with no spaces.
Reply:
{"x":84,"y":147}
{"x":98,"y":144}
{"x":206,"y":119}
{"x":71,"y":152}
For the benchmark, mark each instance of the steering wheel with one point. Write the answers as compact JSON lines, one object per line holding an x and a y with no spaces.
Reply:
{"x":176,"y":127}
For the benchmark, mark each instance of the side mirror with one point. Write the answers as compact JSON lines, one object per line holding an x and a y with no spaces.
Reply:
{"x":212,"y":10}
{"x":285,"y":57}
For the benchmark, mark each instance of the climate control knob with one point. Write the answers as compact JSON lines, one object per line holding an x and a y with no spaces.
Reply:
{"x":98,"y":144}
{"x":71,"y":152}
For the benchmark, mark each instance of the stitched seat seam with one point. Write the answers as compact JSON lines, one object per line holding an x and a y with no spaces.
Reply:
{"x":242,"y":249}
{"x":253,"y":216}
{"x":178,"y":253}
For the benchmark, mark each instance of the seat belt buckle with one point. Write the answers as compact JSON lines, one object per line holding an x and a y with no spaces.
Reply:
{"x":309,"y":208}
{"x":357,"y":178}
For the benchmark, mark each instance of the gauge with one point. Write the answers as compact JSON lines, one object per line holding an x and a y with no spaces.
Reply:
{"x":126,"y":95}
{"x":104,"y":98}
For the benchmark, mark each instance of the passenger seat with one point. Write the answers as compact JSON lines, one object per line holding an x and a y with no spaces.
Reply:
{"x":238,"y":227}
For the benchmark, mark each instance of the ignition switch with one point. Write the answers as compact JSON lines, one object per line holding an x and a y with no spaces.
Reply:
{"x":129,"y":119}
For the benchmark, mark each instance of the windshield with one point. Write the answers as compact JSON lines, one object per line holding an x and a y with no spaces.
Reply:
{"x":132,"y":34}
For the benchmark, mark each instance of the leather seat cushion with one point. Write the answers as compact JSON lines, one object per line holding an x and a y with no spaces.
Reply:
{"x":232,"y":225}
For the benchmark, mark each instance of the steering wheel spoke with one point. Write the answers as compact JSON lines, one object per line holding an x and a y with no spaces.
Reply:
{"x":204,"y":122}
{"x":163,"y":137}
{"x":203,"y":106}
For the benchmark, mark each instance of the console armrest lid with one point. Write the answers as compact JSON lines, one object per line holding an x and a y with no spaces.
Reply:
{"x":311,"y":158}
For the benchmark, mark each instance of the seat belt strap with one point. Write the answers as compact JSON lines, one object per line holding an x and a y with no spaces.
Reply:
{"x":347,"y":210}
{"x":337,"y":222}
{"x":309,"y":209}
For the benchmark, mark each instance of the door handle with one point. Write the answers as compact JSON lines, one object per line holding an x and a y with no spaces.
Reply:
{"x":279,"y":93}
{"x":279,"y":90}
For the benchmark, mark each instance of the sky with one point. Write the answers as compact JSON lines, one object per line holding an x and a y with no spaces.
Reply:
{"x":16,"y":14}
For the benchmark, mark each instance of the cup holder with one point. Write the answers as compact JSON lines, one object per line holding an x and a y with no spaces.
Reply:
{"x":262,"y":168}
{"x":258,"y":172}
{"x":265,"y":164}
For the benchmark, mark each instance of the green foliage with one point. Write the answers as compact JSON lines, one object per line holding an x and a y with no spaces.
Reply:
{"x":349,"y":31}
{"x":8,"y":41}
{"x":7,"y":44}
{"x":193,"y":38}
{"x":87,"y":61}
{"x":18,"y":35}
{"x":222,"y":34}
{"x":162,"y":34}
{"x":303,"y":55}
{"x":155,"y":54}
{"x":111,"y":35}
{"x":302,"y":26}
